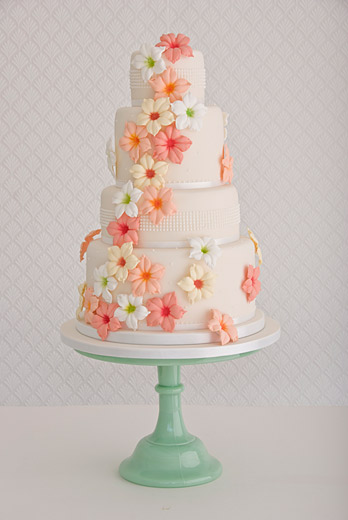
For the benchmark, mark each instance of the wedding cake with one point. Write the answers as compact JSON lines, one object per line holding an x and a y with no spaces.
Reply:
{"x":168,"y":264}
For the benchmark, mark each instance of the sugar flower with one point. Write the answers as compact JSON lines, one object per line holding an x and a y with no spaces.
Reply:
{"x":225,"y":121}
{"x":205,"y":248}
{"x":124,"y":229}
{"x":155,"y":114}
{"x":256,"y":244}
{"x":91,"y":304}
{"x":149,"y":60}
{"x":125,"y":200}
{"x":135,"y":140}
{"x":226,"y":165}
{"x":169,"y":85}
{"x":121,"y":260}
{"x":164,"y":312}
{"x":189,"y":112}
{"x":104,"y":283}
{"x":252,"y":286}
{"x":199,"y":284}
{"x":111,"y":157}
{"x":104,"y":319}
{"x":175,"y":46}
{"x":148,"y":172}
{"x":131,"y":310}
{"x":157,"y":204}
{"x":88,"y":239}
{"x":79,"y":311}
{"x":223,"y":325}
{"x":145,"y":277}
{"x":169,"y":143}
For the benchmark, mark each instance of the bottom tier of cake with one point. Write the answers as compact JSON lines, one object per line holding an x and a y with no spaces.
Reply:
{"x":227,"y":294}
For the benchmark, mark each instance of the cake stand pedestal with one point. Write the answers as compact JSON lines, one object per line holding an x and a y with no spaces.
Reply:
{"x":170,"y":456}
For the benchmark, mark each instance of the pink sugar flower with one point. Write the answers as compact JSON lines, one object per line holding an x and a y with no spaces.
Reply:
{"x":124,"y":229}
{"x":164,"y":311}
{"x":104,"y":320}
{"x":252,"y":286}
{"x":223,"y":325}
{"x":169,"y":85}
{"x":157,"y":204}
{"x":170,"y":143}
{"x":145,"y":277}
{"x":226,"y":165}
{"x":91,"y":304}
{"x":135,"y":140}
{"x":175,"y":46}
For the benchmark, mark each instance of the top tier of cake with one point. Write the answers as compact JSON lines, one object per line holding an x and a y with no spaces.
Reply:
{"x":190,"y":68}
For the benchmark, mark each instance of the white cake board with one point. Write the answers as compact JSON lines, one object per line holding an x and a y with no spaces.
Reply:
{"x":267,"y":336}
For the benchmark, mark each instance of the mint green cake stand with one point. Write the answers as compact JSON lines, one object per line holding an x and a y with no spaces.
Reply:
{"x":170,"y":456}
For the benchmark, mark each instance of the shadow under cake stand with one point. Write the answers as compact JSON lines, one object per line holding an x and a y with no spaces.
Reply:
{"x":170,"y":456}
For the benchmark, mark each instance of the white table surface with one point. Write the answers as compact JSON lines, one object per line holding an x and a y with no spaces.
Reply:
{"x":278,"y":463}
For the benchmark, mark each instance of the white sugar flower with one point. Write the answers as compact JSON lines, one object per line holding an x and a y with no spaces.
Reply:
{"x":125,"y":200}
{"x":80,"y":313}
{"x":131,"y":310}
{"x":155,"y":114}
{"x":148,"y":172}
{"x":225,"y":120}
{"x":104,"y":283}
{"x":148,"y":59}
{"x":256,"y":244}
{"x":189,"y":112}
{"x":121,"y":260}
{"x":111,"y":157}
{"x":205,"y":248}
{"x":199,"y":284}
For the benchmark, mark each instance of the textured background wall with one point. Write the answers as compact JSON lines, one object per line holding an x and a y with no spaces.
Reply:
{"x":280,"y":68}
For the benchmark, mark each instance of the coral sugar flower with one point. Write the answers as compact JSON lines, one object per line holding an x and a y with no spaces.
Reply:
{"x":157,"y":204}
{"x":169,"y":143}
{"x":91,"y":304}
{"x":135,"y":140}
{"x":169,"y":85}
{"x":164,"y":311}
{"x":223,"y":325}
{"x":104,"y":320}
{"x":145,"y":277}
{"x":175,"y":46}
{"x":124,"y":229}
{"x":252,"y":286}
{"x":226,"y":165}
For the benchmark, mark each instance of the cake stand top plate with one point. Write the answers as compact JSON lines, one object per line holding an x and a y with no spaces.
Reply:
{"x":168,"y":355}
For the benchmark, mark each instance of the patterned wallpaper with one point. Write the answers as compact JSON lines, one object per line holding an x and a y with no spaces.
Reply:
{"x":280,"y":69}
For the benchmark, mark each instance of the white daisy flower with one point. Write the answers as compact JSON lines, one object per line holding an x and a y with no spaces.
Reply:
{"x":148,"y":172}
{"x":121,"y":260}
{"x":131,"y":310}
{"x":148,"y":59}
{"x":205,"y":248}
{"x":104,"y":283}
{"x":126,"y":199}
{"x":199,"y":284}
{"x":155,"y":114}
{"x":111,"y":157}
{"x":189,"y":112}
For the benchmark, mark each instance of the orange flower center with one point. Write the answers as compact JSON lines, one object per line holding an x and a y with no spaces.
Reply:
{"x":121,"y":262}
{"x":154,"y":116}
{"x":146,"y":275}
{"x":157,"y":203}
{"x":134,"y":139}
{"x":223,"y":326}
{"x":169,"y":88}
{"x":150,"y":173}
{"x":198,"y":284}
{"x":106,"y":318}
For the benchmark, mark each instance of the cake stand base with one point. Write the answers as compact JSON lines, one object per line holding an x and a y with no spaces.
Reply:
{"x":170,"y":456}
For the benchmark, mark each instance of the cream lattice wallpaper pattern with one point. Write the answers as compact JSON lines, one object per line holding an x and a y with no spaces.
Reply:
{"x":280,"y":69}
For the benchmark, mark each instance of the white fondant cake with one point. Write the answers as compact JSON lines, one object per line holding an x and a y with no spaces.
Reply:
{"x":170,"y":264}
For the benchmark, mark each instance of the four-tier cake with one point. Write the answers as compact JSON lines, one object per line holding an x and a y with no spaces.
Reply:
{"x":169,"y":266}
